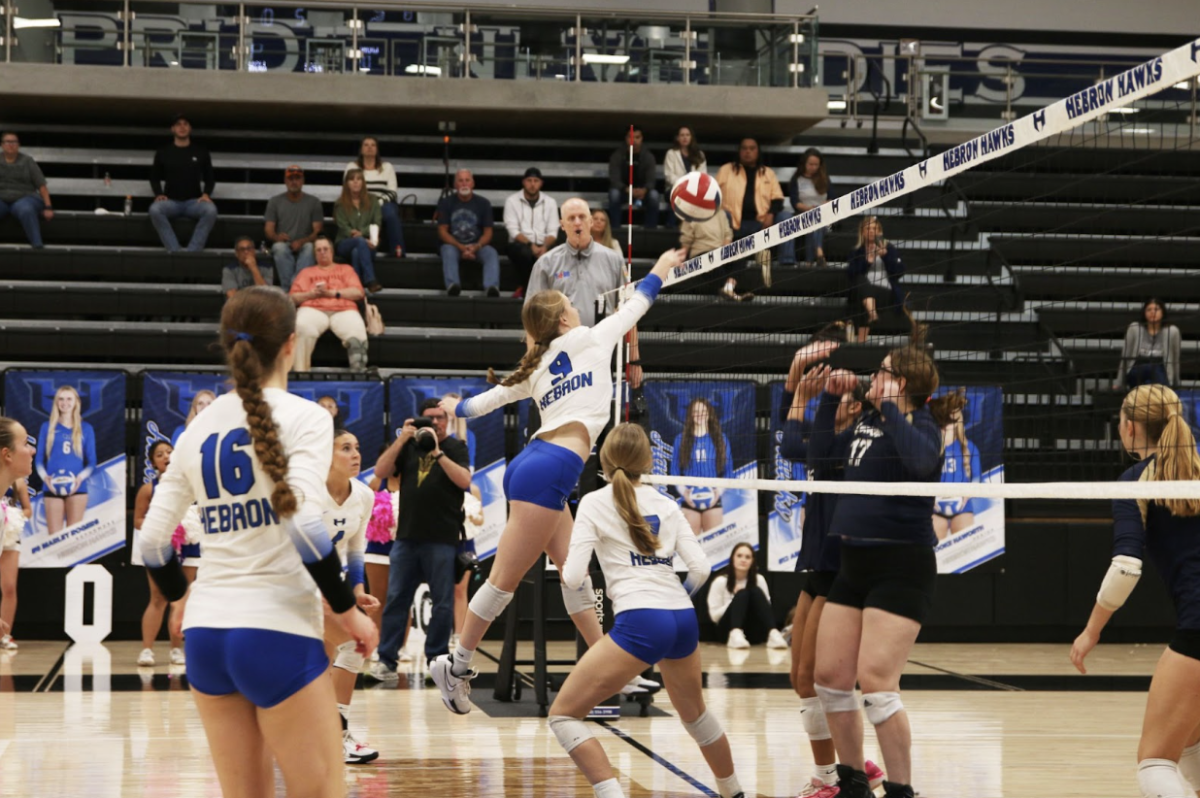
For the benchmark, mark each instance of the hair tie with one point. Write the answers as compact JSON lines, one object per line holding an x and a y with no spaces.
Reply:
{"x":241,"y":336}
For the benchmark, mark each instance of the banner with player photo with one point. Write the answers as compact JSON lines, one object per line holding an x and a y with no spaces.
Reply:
{"x":485,"y":445}
{"x":356,"y":406}
{"x":78,"y":480}
{"x":971,"y":531}
{"x":706,"y":429}
{"x":786,"y":518}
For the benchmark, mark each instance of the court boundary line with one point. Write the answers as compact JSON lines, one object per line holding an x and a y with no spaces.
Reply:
{"x":52,"y":674}
{"x":966,"y":677}
{"x":672,"y":767}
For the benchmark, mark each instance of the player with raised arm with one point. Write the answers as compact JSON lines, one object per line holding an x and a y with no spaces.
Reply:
{"x":567,"y":371}
{"x":346,"y":517}
{"x":1154,"y":430}
{"x":256,"y":463}
{"x":635,"y":532}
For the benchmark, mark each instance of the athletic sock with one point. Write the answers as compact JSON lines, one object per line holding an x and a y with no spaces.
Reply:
{"x":827,"y":774}
{"x":729,"y":787}
{"x":609,"y":788}
{"x":461,"y":660}
{"x":344,"y":711}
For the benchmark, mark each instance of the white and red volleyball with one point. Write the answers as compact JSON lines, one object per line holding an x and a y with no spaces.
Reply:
{"x":695,"y":197}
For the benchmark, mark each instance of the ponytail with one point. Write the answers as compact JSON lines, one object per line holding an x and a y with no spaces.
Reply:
{"x":624,"y":457}
{"x":1178,"y":460}
{"x":531,"y":360}
{"x":626,"y":501}
{"x":541,"y":318}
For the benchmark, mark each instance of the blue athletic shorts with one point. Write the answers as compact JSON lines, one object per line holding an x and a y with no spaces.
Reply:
{"x":265,"y":666}
{"x":543,"y":474}
{"x":651,"y":635}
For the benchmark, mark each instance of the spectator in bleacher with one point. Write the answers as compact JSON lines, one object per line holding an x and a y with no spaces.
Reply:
{"x":808,"y":188}
{"x":752,"y":196}
{"x":246,"y":271}
{"x":326,"y":297}
{"x":644,"y":168}
{"x":1151,"y":353}
{"x":686,"y":156}
{"x":700,"y":237}
{"x":23,"y":191}
{"x":381,"y":182}
{"x":293,"y":222}
{"x":182,"y":180}
{"x":602,"y":231}
{"x":356,"y":212}
{"x":875,"y":270}
{"x":581,"y":268}
{"x":465,"y":228}
{"x":531,"y":219}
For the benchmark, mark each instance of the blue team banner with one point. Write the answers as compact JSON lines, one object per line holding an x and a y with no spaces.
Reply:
{"x":170,"y":400}
{"x":786,"y":517}
{"x":78,"y":480}
{"x":485,"y":445}
{"x":356,"y":406}
{"x":706,"y":429}
{"x":971,"y":531}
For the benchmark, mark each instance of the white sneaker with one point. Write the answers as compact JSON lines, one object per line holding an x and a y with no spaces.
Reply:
{"x":776,"y":640}
{"x":454,"y":642}
{"x":177,"y":657}
{"x":375,"y":655}
{"x":737,"y":639}
{"x":640,"y":686}
{"x":381,"y":673}
{"x":404,"y":655}
{"x":456,"y":690}
{"x":355,"y":752}
{"x":146,"y":658}
{"x":7,"y":643}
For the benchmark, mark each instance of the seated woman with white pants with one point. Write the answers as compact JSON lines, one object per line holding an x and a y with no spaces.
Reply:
{"x":326,"y":297}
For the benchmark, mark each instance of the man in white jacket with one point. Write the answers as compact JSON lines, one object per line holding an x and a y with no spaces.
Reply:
{"x":531,"y":219}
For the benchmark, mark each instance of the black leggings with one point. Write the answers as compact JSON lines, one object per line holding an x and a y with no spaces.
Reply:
{"x":751,"y":612}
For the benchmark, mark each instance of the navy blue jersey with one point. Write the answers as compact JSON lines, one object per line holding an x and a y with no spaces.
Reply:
{"x":1171,"y":542}
{"x":884,"y":446}
{"x":819,"y":551}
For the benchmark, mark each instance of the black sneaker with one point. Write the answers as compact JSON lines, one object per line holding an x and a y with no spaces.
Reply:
{"x":454,"y":290}
{"x":852,"y":783}
{"x":493,"y":292}
{"x":893,"y":790}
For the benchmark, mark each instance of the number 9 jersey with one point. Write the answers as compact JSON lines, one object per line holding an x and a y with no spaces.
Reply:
{"x":252,"y":574}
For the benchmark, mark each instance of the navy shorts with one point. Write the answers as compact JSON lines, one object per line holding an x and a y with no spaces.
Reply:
{"x":651,"y":635}
{"x":265,"y":666}
{"x":543,"y":474}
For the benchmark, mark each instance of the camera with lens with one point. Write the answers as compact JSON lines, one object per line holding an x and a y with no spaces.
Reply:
{"x":426,"y":438}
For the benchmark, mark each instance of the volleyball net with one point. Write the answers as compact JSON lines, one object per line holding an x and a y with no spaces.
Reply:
{"x":1027,"y":253}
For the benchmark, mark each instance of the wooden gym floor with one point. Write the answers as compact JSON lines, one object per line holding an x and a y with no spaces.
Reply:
{"x":988,"y":721}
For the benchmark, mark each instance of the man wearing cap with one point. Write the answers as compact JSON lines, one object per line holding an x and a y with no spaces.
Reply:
{"x":182,"y":180}
{"x":531,"y":219}
{"x":293,"y":222}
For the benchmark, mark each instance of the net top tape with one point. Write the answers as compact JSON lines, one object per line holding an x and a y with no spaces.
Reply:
{"x":1155,"y":75}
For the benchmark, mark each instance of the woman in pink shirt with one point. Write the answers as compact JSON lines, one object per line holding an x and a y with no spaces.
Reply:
{"x":326,"y":296}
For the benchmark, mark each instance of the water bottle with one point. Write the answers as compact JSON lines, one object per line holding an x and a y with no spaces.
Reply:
{"x":128,"y":204}
{"x":107,"y":180}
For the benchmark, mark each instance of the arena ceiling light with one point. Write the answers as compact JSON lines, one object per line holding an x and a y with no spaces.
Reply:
{"x":601,"y":58}
{"x":25,"y":22}
{"x":421,"y":69}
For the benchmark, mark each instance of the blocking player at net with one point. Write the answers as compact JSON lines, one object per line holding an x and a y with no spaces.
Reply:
{"x":566,"y":370}
{"x":635,"y":532}
{"x":1153,"y":429}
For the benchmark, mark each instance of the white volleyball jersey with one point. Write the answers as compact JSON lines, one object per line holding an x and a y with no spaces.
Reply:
{"x":251,"y":575}
{"x":573,"y":381}
{"x":636,"y":581}
{"x":347,"y":525}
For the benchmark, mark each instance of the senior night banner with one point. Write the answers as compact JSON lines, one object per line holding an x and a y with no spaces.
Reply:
{"x":706,"y":429}
{"x":78,"y":480}
{"x":971,"y":531}
{"x":485,"y":445}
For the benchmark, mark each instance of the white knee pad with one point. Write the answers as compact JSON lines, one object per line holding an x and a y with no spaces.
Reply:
{"x":837,"y":700}
{"x":812,"y":715}
{"x":881,"y":706}
{"x":347,"y":658}
{"x":1189,"y":766}
{"x":579,"y":600}
{"x":571,"y":732}
{"x":489,"y":602}
{"x":705,"y":730}
{"x":1160,"y":778}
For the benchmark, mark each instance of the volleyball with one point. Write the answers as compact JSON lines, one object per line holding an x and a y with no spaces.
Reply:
{"x":695,"y":197}
{"x":62,"y":483}
{"x":702,"y":498}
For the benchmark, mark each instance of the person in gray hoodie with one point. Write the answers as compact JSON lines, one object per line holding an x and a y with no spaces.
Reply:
{"x":23,"y":191}
{"x":1151,"y":352}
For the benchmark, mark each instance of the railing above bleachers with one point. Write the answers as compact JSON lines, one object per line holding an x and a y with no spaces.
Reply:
{"x":424,"y":40}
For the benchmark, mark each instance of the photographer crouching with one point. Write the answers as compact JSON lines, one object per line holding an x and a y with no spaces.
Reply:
{"x":433,"y":472}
